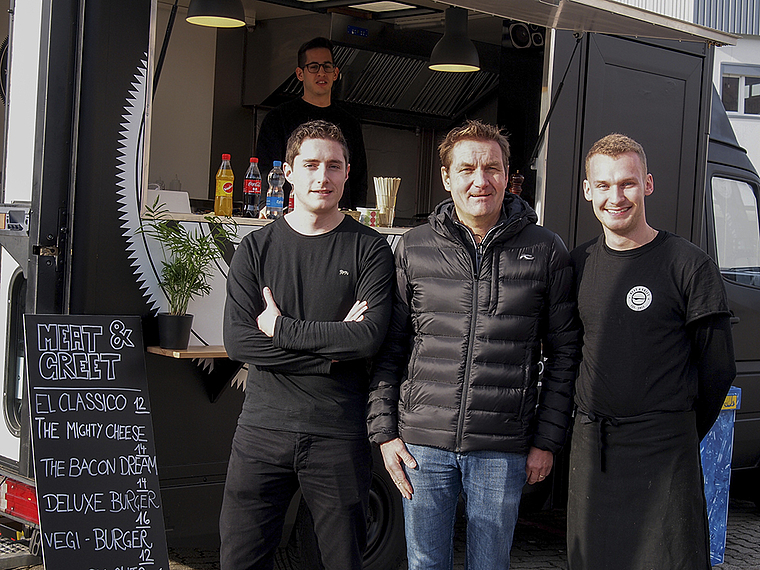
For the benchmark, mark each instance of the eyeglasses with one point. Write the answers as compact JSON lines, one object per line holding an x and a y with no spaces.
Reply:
{"x":314,"y":67}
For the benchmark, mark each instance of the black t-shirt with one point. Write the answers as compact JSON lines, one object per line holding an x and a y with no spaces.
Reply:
{"x":635,"y":307}
{"x":293,"y":383}
{"x":281,"y":121}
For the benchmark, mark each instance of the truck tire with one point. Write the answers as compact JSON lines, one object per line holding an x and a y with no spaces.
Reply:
{"x":301,"y":551}
{"x":386,"y":546}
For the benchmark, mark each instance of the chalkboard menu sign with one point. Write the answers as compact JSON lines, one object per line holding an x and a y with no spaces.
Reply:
{"x":94,"y":453}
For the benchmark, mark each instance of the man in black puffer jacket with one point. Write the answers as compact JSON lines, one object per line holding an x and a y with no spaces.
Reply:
{"x":483,"y":293}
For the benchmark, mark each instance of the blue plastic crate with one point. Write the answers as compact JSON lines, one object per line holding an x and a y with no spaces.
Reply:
{"x":716,"y":450}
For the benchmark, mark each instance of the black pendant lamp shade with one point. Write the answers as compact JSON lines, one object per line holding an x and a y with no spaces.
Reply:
{"x":454,"y":51}
{"x":216,"y":13}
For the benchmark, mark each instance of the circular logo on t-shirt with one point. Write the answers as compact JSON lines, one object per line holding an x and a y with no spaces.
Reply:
{"x":639,"y":298}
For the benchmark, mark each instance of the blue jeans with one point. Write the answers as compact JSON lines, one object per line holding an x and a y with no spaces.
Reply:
{"x":491,"y":482}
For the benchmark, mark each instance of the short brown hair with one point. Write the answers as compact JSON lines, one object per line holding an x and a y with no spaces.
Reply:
{"x":615,"y":144}
{"x":314,"y":130}
{"x":473,"y":130}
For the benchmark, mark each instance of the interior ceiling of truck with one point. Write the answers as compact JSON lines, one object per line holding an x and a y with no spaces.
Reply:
{"x":603,"y":16}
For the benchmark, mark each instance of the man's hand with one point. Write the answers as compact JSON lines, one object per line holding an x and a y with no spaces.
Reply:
{"x":267,"y":319}
{"x":394,"y":452}
{"x":539,"y":465}
{"x":356,"y":313}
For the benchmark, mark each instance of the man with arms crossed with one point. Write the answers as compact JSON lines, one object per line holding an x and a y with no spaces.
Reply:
{"x":317,"y":71}
{"x":454,"y":404}
{"x":308,"y":301}
{"x":658,"y":361}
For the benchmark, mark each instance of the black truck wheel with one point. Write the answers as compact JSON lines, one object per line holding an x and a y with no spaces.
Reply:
{"x":301,"y":551}
{"x":386,"y":546}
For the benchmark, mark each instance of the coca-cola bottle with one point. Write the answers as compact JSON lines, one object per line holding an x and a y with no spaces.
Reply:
{"x":252,"y":190}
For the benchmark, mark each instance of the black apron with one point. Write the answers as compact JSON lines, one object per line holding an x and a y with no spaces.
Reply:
{"x":636,"y":495}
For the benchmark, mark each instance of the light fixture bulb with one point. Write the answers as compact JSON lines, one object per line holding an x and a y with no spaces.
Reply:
{"x":454,"y":52}
{"x":216,"y":13}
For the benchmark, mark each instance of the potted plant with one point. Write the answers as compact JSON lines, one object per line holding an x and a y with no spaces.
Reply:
{"x":186,"y":268}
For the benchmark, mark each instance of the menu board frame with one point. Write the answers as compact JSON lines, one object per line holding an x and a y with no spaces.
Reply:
{"x":95,"y":463}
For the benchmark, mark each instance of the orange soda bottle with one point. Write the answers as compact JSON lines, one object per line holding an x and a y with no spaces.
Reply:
{"x":224,"y":181}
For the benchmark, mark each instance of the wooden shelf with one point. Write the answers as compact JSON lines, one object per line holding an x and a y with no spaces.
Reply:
{"x":213,"y":351}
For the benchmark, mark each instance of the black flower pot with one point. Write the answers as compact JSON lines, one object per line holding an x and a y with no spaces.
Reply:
{"x":174,"y":330}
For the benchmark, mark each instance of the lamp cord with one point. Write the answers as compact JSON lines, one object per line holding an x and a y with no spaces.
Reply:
{"x":164,"y":46}
{"x":553,"y":104}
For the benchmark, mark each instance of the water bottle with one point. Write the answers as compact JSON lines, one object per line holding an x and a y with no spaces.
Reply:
{"x":224,"y":181}
{"x":252,"y":190}
{"x":275,"y":195}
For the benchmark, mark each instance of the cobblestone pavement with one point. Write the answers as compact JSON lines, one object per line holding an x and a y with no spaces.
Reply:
{"x":743,"y":537}
{"x":540,"y":543}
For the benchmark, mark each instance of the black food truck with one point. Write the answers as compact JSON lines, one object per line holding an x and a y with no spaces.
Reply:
{"x":81,"y":149}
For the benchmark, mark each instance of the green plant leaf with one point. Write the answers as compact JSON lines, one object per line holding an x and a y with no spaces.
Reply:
{"x":188,"y":255}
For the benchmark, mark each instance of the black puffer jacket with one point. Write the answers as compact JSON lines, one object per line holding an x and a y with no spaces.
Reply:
{"x":460,"y":366}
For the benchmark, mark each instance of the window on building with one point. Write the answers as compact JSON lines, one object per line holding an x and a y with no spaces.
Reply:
{"x":730,"y":93}
{"x":740,"y":88}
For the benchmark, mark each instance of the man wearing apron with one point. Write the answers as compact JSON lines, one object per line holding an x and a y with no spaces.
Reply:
{"x":657,"y":363}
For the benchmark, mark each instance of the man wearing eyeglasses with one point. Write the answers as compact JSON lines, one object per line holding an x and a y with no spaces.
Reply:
{"x":317,"y":71}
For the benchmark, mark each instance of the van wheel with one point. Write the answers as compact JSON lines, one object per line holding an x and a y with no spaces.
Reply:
{"x":386,"y":546}
{"x":301,"y":552}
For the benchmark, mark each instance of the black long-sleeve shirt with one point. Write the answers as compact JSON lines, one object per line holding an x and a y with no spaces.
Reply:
{"x":293,"y":382}
{"x":712,"y":349}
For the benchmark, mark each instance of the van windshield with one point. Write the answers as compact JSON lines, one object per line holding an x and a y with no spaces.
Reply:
{"x":737,"y":229}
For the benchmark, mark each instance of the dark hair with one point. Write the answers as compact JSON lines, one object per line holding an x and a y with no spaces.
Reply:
{"x":314,"y":130}
{"x":614,"y":145}
{"x":473,"y":130}
{"x":318,"y":42}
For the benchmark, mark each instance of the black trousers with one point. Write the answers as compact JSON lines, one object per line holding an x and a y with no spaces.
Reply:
{"x":266,"y":468}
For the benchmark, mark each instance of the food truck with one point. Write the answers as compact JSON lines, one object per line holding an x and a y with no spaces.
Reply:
{"x":91,"y":126}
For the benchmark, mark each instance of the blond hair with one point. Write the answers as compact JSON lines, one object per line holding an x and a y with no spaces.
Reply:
{"x":614,"y":145}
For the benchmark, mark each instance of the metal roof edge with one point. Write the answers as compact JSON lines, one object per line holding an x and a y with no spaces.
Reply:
{"x":601,"y":16}
{"x":701,"y":33}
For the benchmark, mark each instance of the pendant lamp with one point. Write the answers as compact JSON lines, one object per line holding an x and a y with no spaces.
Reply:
{"x":454,"y":51}
{"x":216,"y":13}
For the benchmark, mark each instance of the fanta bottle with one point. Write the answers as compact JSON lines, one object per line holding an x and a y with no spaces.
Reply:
{"x":224,"y":180}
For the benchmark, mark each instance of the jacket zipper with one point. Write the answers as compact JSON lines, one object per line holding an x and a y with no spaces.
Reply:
{"x":479,"y":251}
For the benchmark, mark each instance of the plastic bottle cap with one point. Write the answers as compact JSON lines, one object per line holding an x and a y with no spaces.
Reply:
{"x":225,"y":157}
{"x":276,"y":163}
{"x":254,"y":159}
